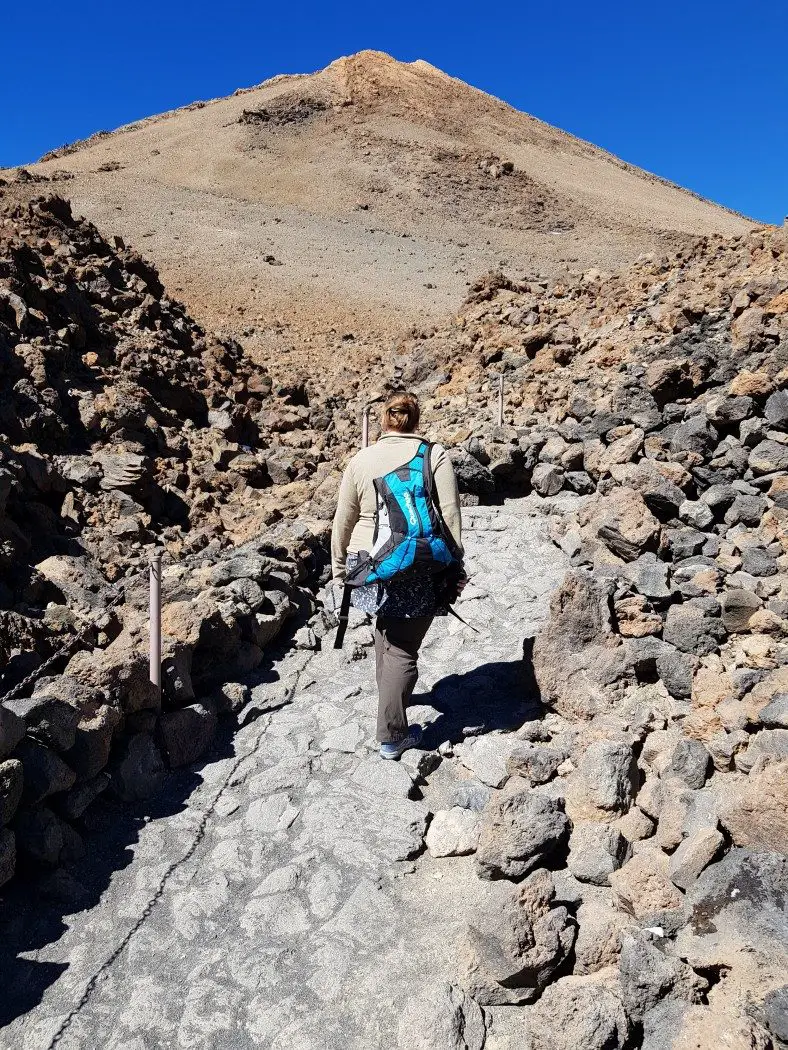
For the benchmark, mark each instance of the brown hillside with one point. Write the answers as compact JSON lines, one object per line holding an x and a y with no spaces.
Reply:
{"x":382,"y":188}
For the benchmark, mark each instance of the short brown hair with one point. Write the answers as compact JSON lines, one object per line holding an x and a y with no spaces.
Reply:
{"x":401,"y":412}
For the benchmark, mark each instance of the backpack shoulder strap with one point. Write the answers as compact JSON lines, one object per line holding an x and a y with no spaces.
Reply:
{"x":344,"y":615}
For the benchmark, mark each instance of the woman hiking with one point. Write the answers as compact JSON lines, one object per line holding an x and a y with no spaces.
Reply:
{"x":398,"y":500}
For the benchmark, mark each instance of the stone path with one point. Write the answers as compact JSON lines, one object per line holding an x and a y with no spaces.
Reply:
{"x":307,"y":914}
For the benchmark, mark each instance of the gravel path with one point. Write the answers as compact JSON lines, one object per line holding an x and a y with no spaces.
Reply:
{"x":291,"y":903}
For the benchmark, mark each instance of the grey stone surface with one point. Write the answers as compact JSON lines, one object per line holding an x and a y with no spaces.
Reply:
{"x":596,"y":851}
{"x":453,"y":832}
{"x":518,"y":833}
{"x":608,"y":773}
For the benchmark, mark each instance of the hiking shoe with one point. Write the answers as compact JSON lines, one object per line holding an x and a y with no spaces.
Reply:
{"x":394,"y":750}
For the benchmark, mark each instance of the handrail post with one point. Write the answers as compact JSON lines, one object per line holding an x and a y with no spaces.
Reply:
{"x":155,"y":620}
{"x":500,"y":400}
{"x":365,"y":426}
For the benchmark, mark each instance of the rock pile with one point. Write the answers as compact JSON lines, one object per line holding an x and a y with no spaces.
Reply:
{"x":123,"y":426}
{"x":655,"y":403}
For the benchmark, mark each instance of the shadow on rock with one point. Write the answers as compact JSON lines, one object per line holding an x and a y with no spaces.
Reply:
{"x":496,"y":696}
{"x":36,"y":906}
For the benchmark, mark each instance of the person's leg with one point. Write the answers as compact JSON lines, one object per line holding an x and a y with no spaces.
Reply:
{"x":398,"y":641}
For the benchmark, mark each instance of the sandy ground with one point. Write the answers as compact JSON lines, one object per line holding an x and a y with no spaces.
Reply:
{"x":363,"y":198}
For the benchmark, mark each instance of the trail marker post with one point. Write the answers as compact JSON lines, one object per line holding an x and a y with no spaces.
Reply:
{"x":155,"y":619}
{"x":365,"y":426}
{"x":500,"y":400}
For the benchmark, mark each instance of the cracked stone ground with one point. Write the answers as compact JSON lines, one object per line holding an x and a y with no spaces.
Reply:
{"x":308,"y":916}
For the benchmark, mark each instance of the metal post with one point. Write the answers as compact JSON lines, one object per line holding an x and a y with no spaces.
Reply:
{"x":365,"y":426}
{"x":500,"y":400}
{"x":155,"y":619}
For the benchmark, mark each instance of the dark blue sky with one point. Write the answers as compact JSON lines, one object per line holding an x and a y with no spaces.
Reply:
{"x":696,"y":91}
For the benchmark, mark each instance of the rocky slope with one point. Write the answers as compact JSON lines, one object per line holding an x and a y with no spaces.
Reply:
{"x":636,"y":833}
{"x":360,"y":199}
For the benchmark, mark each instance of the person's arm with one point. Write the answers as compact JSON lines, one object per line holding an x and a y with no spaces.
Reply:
{"x":446,"y":492}
{"x":347,"y":514}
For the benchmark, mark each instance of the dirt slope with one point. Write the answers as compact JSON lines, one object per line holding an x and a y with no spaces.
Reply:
{"x":364,"y":198}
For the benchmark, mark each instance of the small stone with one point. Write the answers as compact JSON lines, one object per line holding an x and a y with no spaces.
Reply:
{"x":642,"y":886}
{"x":596,"y":851}
{"x":690,"y":763}
{"x":694,"y":853}
{"x":453,"y":832}
{"x":635,"y":825}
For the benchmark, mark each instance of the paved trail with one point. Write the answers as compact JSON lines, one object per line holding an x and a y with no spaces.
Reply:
{"x":308,"y":915}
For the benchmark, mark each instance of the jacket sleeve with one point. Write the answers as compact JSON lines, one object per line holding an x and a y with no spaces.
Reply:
{"x":347,"y":514}
{"x":446,"y":491}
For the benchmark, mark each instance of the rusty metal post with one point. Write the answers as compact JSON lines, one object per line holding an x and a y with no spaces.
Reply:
{"x":365,"y":426}
{"x":500,"y":400}
{"x":155,"y":619}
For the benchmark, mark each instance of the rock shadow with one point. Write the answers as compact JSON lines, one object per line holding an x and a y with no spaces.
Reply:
{"x":499,"y":695}
{"x":36,"y":907}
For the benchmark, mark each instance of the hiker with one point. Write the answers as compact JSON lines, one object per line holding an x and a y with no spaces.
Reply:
{"x":410,"y":521}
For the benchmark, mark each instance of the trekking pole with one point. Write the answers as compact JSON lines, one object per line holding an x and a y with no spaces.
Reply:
{"x":155,"y":620}
{"x":500,"y":400}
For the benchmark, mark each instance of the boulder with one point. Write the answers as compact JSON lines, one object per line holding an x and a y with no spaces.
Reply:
{"x":649,"y":976}
{"x":138,"y":771}
{"x":515,"y":942}
{"x":518,"y":833}
{"x":547,"y":479}
{"x":12,"y":729}
{"x":7,"y":855}
{"x":11,"y":782}
{"x":93,"y":740}
{"x":642,"y":886}
{"x":607,"y":775}
{"x":689,"y":763}
{"x":49,"y":717}
{"x":46,"y":838}
{"x":693,"y":854}
{"x":579,"y":1012}
{"x":624,"y":524}
{"x":578,"y":659}
{"x":596,"y":852}
{"x":755,"y":815}
{"x":444,"y":1017}
{"x":453,"y":832}
{"x":187,"y":733}
{"x":534,"y":762}
{"x":692,"y":629}
{"x":599,"y":932}
{"x":45,"y":772}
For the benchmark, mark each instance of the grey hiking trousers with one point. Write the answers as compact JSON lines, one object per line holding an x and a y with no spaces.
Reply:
{"x":397,"y":643}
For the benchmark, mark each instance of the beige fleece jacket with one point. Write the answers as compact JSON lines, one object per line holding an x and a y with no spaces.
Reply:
{"x":354,"y":521}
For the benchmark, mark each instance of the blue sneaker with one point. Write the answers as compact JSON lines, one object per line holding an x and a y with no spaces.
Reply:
{"x":394,"y":750}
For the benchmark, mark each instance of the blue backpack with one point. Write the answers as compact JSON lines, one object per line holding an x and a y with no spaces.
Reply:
{"x":409,"y":528}
{"x":410,"y":532}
